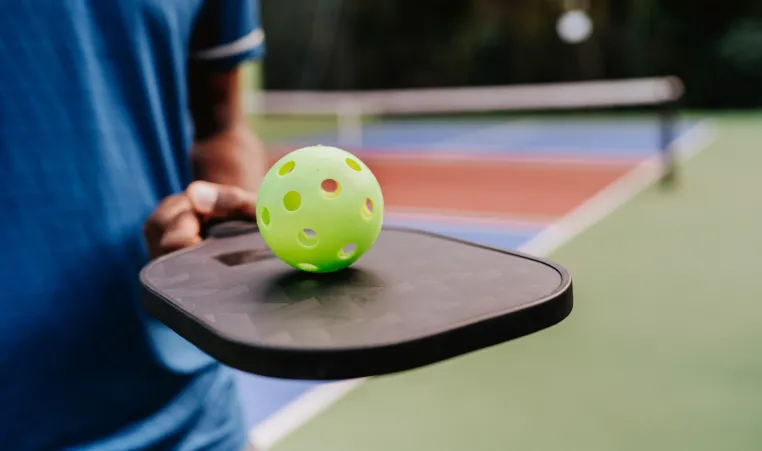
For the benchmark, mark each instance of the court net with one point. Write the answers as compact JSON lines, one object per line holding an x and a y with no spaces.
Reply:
{"x":351,"y":114}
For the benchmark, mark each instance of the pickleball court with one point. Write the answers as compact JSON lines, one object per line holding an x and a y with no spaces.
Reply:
{"x":499,"y":182}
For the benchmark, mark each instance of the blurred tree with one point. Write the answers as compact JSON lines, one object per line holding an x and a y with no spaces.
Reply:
{"x":736,"y":66}
{"x":309,"y":44}
{"x":374,"y":44}
{"x":685,"y":37}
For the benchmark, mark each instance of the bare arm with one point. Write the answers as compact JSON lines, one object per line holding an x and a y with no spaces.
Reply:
{"x":226,"y":150}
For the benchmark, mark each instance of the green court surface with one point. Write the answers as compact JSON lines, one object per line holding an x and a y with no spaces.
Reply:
{"x":274,"y":129}
{"x":660,"y":353}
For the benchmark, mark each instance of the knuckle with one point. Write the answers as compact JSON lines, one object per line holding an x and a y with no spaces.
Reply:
{"x":196,"y":185}
{"x":193,"y":185}
{"x":168,"y":209}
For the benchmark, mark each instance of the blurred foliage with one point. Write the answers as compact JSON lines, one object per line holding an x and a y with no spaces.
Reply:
{"x":715,"y":46}
{"x":737,"y":66}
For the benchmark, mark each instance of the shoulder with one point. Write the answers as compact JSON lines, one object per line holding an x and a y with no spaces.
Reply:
{"x":227,"y":31}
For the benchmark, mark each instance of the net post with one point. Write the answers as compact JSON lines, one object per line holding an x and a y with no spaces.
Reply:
{"x":668,"y":113}
{"x":349,"y":124}
{"x":666,"y":125}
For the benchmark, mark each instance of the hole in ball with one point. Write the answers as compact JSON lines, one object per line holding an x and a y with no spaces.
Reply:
{"x":264,"y":217}
{"x":307,"y":238}
{"x":286,"y":168}
{"x":367,"y":208}
{"x":330,"y":187}
{"x":353,"y":165}
{"x":307,"y":267}
{"x":347,"y":251}
{"x":292,"y":201}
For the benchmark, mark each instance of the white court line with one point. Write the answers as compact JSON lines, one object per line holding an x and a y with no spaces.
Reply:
{"x":317,"y":400}
{"x":617,"y":193}
{"x":299,"y":412}
{"x":466,"y":217}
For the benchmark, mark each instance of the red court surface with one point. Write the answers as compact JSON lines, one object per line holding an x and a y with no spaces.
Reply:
{"x":523,"y":190}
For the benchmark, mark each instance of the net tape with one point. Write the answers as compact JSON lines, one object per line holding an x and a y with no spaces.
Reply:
{"x":589,"y":94}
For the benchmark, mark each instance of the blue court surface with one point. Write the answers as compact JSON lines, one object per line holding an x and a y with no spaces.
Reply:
{"x":562,"y":139}
{"x":609,"y":138}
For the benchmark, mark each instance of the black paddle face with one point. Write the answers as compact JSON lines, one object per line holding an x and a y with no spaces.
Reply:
{"x":412,"y":300}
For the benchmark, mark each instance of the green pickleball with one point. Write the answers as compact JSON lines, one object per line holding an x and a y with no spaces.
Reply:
{"x":319,"y":209}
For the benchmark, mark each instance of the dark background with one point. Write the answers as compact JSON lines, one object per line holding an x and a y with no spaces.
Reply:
{"x":715,"y":46}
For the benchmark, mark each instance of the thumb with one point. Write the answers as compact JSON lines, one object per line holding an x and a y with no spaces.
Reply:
{"x":211,"y":199}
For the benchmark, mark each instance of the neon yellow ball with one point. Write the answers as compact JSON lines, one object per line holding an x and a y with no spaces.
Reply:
{"x":319,"y":209}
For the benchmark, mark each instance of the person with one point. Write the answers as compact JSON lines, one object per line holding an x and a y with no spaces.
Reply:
{"x":121,"y":130}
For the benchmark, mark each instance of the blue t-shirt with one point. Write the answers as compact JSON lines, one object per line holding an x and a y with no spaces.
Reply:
{"x":94,"y":132}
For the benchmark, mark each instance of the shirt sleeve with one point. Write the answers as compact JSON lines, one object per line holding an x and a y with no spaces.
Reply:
{"x":227,"y":32}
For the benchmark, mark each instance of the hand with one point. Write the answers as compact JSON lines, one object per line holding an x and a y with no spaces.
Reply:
{"x":176,"y":222}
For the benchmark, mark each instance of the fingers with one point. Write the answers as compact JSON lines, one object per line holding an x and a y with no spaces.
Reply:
{"x":213,"y":200}
{"x":167,"y":210}
{"x":173,"y":225}
{"x":157,"y":223}
{"x":183,"y":231}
